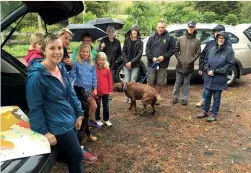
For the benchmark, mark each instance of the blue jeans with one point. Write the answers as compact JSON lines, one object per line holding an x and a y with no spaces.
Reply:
{"x":217,"y":99}
{"x":105,"y":102}
{"x":131,"y":74}
{"x":204,"y":94}
{"x":70,"y":146}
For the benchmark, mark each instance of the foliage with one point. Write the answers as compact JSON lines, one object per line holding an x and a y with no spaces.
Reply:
{"x":231,"y":19}
{"x":208,"y":17}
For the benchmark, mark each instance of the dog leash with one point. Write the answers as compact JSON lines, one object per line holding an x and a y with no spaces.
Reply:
{"x":154,"y":66}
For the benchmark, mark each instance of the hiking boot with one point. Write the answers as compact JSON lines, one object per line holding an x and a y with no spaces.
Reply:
{"x":99,"y":123}
{"x":108,"y":123}
{"x":200,"y":103}
{"x":175,"y":100}
{"x":212,"y":118}
{"x":202,"y":114}
{"x":88,"y":157}
{"x":94,"y":124}
{"x":184,"y":102}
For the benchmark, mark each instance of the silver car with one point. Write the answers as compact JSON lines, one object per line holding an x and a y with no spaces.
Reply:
{"x":240,"y":37}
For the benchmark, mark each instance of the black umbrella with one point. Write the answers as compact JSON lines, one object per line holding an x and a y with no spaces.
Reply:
{"x":79,"y":29}
{"x":103,"y":23}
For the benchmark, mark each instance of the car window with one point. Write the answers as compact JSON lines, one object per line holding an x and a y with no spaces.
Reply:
{"x":178,"y":33}
{"x":204,"y":35}
{"x":248,"y":33}
{"x":18,"y":44}
{"x":8,"y":7}
{"x":233,"y":38}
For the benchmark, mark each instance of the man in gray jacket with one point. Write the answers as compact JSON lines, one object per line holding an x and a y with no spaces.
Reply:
{"x":187,"y":52}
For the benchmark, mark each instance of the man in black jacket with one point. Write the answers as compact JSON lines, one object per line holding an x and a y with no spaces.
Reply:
{"x":208,"y":46}
{"x":160,"y":47}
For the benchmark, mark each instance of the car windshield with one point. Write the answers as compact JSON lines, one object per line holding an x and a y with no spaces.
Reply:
{"x":9,"y":7}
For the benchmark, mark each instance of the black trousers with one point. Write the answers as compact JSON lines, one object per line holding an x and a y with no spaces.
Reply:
{"x":105,"y":102}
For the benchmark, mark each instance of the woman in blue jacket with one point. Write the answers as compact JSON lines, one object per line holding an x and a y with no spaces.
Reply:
{"x":217,"y":62}
{"x":55,"y":110}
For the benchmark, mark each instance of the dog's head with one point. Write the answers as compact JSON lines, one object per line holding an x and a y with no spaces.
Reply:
{"x":118,"y":87}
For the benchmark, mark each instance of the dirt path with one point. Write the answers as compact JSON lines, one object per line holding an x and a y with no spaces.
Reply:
{"x":175,"y":140}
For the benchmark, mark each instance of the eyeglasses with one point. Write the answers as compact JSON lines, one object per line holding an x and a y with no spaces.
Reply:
{"x":87,"y":40}
{"x":221,"y":38}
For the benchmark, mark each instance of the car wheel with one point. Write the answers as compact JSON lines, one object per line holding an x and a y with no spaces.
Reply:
{"x":120,"y":74}
{"x":232,"y":76}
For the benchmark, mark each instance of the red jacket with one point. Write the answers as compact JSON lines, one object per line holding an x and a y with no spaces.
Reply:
{"x":33,"y":54}
{"x":104,"y":80}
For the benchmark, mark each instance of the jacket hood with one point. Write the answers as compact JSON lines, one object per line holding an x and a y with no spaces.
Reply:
{"x":35,"y":65}
{"x":136,"y":28}
{"x":219,"y":28}
{"x":33,"y":53}
{"x":225,"y":35}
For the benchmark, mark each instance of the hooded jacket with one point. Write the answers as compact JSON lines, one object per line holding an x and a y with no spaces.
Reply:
{"x":163,"y":46}
{"x":188,"y":50}
{"x":219,"y":60}
{"x":209,"y":45}
{"x":33,"y":54}
{"x":137,"y":49}
{"x":54,"y":107}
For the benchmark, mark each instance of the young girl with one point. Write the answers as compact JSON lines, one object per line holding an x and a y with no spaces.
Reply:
{"x":84,"y":74}
{"x":104,"y":78}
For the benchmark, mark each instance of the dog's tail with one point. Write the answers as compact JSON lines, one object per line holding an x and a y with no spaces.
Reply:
{"x":158,"y":98}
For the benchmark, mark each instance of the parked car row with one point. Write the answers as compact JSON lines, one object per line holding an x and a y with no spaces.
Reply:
{"x":240,"y":37}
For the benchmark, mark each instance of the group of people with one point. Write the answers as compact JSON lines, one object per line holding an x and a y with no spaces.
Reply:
{"x":57,"y":82}
{"x":215,"y":61}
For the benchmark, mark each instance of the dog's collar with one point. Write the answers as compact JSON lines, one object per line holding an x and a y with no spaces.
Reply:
{"x":124,"y":86}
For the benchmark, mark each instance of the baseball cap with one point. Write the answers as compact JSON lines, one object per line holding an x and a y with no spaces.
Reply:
{"x":191,"y":23}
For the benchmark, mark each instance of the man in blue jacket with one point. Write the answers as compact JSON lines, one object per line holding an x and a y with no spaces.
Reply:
{"x":208,"y":46}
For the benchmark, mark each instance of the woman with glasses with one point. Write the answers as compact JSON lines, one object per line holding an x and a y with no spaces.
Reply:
{"x":217,"y":62}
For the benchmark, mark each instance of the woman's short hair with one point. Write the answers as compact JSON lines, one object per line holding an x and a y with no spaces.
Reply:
{"x":110,"y":27}
{"x":99,"y":55}
{"x":47,"y":38}
{"x":62,"y":31}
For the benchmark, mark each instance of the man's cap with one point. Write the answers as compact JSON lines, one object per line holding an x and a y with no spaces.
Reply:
{"x":191,"y":23}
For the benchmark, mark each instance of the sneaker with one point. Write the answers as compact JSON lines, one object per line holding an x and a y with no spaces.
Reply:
{"x":184,"y":102}
{"x":200,"y":103}
{"x":110,"y":97}
{"x":212,"y":118}
{"x":129,"y":101}
{"x":94,"y":124}
{"x":203,"y":114}
{"x":99,"y":123}
{"x":126,"y":100}
{"x":175,"y":100}
{"x":108,"y":123}
{"x":89,"y":158}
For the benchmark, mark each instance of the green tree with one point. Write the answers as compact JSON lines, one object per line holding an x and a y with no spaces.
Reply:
{"x":99,"y":8}
{"x":231,"y":19}
{"x":245,"y":12}
{"x":208,"y":17}
{"x":89,"y":16}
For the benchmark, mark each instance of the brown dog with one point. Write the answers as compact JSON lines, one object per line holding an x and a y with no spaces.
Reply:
{"x":138,"y":91}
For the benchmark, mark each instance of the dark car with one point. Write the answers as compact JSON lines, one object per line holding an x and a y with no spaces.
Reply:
{"x":14,"y":73}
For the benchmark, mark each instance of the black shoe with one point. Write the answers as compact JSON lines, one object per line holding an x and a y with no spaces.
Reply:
{"x":110,"y":97}
{"x":175,"y":100}
{"x":184,"y":102}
